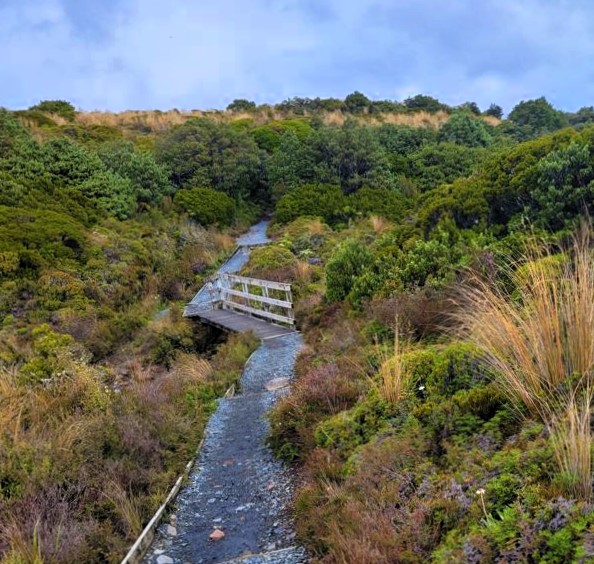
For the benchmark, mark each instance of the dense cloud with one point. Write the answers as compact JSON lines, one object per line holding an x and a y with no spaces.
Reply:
{"x":119,"y":54}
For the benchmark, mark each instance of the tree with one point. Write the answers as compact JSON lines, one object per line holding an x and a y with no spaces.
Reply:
{"x":582,"y":117}
{"x":537,"y":117}
{"x":268,"y":136}
{"x":404,"y":139}
{"x":292,"y":164}
{"x":241,"y":105}
{"x":59,"y":107}
{"x":564,"y":186}
{"x":350,"y":155}
{"x":471,"y":107}
{"x":433,"y":165}
{"x":203,"y":153}
{"x":206,"y":206}
{"x":426,"y":103}
{"x":495,"y":111}
{"x":463,"y":129}
{"x":356,"y":103}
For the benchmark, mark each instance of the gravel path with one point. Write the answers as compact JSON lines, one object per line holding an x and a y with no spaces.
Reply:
{"x":237,"y":486}
{"x":256,"y":235}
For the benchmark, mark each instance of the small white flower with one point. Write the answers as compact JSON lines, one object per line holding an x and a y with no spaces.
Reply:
{"x":480,"y":491}
{"x":421,"y":388}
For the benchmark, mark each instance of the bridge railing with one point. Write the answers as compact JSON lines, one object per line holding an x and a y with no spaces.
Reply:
{"x":269,"y":300}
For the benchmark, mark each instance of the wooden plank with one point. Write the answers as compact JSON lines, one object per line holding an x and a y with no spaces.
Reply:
{"x":255,"y":282}
{"x":239,"y":323}
{"x":254,"y":297}
{"x":260,"y":312}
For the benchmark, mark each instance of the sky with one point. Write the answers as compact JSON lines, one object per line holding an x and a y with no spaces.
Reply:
{"x":198,"y":54}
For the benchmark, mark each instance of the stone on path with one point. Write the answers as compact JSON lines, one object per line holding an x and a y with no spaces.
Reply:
{"x":216,"y":535}
{"x":171,"y":531}
{"x":164,"y":559}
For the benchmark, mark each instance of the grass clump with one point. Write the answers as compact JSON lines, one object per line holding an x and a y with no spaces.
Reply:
{"x":539,"y":341}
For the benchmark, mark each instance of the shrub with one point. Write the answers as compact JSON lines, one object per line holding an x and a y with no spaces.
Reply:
{"x":349,"y":262}
{"x":324,"y":200}
{"x":207,"y":206}
{"x":270,"y":261}
{"x":59,"y":107}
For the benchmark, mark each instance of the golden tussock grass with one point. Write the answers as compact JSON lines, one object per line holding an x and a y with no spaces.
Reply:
{"x":303,"y":272}
{"x":379,"y":224}
{"x":394,"y":381}
{"x":539,"y":341}
{"x":159,"y":121}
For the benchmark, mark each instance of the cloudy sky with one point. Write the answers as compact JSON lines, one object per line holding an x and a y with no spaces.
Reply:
{"x":147,"y":54}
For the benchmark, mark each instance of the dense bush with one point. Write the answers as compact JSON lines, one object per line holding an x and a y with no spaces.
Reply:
{"x":207,"y":206}
{"x":345,"y":266}
{"x":324,"y":200}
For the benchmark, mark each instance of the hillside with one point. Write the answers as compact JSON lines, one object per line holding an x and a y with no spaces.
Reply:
{"x":422,"y":430}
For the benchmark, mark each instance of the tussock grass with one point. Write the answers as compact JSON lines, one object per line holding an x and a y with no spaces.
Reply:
{"x":394,"y":381}
{"x":379,"y":224}
{"x":539,"y":341}
{"x":159,"y":121}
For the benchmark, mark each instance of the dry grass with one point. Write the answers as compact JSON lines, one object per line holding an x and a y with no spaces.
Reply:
{"x":189,"y":367}
{"x":571,"y":436}
{"x":540,"y":344}
{"x":303,"y":272}
{"x":379,"y":224}
{"x":394,"y":381}
{"x":126,"y":507}
{"x":159,"y":121}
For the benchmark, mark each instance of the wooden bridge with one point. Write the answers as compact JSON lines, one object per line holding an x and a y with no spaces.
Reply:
{"x":241,"y":304}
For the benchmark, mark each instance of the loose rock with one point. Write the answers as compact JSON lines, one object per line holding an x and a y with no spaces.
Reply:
{"x":216,"y":535}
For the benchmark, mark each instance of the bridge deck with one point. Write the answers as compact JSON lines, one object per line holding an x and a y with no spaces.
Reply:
{"x":237,"y":322}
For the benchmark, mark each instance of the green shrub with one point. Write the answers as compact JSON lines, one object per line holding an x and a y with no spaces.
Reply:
{"x":269,"y":258}
{"x":59,"y":107}
{"x":324,"y":200}
{"x":207,"y":206}
{"x":348,"y":263}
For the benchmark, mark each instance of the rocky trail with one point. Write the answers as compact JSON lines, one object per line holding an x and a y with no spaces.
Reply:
{"x":235,"y":507}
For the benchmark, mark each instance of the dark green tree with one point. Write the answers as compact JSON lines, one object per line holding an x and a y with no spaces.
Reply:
{"x":463,"y":129}
{"x":241,"y":105}
{"x":204,"y":153}
{"x":426,"y":103}
{"x":536,"y":117}
{"x":495,"y":111}
{"x":292,"y":164}
{"x":564,"y":186}
{"x":433,"y":165}
{"x":350,"y":155}
{"x":471,"y":107}
{"x":356,"y":103}
{"x":61,"y":108}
